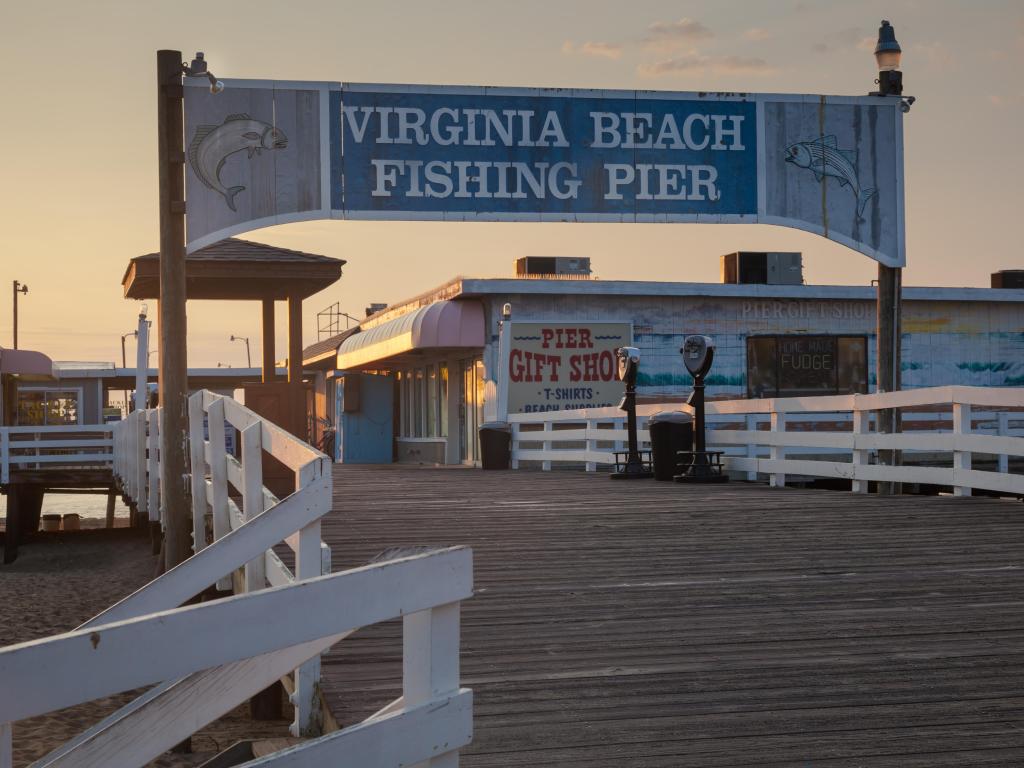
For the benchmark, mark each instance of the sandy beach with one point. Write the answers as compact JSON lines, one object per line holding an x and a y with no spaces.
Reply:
{"x":62,"y":580}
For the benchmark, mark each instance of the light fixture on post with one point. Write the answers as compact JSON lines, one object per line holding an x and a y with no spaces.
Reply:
{"x":887,"y":55}
{"x":198,"y":69}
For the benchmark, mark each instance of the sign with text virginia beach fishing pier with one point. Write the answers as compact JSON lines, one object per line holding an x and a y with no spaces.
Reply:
{"x":266,"y":152}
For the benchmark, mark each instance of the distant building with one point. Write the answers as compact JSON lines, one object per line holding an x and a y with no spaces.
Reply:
{"x":430,"y":370}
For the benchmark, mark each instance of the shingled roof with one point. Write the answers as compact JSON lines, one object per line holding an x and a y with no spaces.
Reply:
{"x":326,"y":347}
{"x":238,"y":269}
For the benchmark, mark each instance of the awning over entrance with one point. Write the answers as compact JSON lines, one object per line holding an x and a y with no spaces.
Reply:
{"x":443,"y":325}
{"x":24,"y":362}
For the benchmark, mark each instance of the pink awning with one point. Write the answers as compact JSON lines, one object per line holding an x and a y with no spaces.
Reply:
{"x":443,"y":325}
{"x":25,"y":362}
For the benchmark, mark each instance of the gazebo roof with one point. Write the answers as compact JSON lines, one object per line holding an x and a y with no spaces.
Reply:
{"x":238,"y":269}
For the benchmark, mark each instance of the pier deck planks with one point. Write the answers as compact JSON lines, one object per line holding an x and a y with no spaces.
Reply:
{"x":652,"y":624}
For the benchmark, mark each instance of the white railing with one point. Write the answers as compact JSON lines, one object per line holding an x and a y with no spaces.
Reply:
{"x":216,"y":477}
{"x":75,"y":446}
{"x":218,"y":654}
{"x":834,"y":437}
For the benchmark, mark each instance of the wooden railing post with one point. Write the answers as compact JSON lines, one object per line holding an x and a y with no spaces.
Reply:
{"x":6,"y":745}
{"x":156,"y":513}
{"x":861,"y":426}
{"x":5,"y":456}
{"x":961,"y":458}
{"x":430,"y":663}
{"x":515,"y":438}
{"x":1003,"y":430}
{"x":219,"y":478}
{"x":197,"y":470}
{"x":546,"y":445}
{"x":591,"y":444}
{"x":141,"y":495}
{"x":252,"y":498}
{"x":306,"y":699}
{"x":777,"y":452}
{"x":750,"y":425}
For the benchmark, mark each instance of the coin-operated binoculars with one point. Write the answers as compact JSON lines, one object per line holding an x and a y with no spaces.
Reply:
{"x":633,"y":467}
{"x":699,"y":465}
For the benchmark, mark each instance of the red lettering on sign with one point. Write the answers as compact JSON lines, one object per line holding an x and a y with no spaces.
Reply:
{"x":515,"y":365}
{"x":547,"y":334}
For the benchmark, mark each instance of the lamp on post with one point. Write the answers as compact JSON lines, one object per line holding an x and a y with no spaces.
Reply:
{"x":887,"y":55}
{"x":18,"y":288}
{"x":890,"y":83}
{"x":124,"y":363}
{"x":248,"y":356}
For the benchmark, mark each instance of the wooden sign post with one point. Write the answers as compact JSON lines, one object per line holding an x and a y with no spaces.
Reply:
{"x":173,"y":377}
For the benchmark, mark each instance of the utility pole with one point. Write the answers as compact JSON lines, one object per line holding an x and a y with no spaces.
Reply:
{"x":18,"y":288}
{"x":173,"y":352}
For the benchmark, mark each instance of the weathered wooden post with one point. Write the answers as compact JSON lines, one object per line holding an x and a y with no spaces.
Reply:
{"x":888,"y":360}
{"x":173,"y":386}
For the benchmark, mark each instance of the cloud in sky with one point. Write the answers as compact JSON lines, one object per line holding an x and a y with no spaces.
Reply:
{"x":694,"y":63}
{"x":756,"y":34}
{"x":666,"y":35}
{"x":591,"y":48}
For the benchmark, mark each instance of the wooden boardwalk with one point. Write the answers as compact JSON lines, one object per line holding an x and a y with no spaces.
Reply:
{"x":651,"y":624}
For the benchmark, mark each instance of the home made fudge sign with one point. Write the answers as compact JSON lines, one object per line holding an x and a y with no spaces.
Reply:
{"x":265,"y":152}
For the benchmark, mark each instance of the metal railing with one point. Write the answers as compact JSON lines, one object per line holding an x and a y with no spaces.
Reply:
{"x":815,"y":437}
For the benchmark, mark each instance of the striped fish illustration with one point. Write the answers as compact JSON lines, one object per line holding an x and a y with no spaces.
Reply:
{"x":823,"y":157}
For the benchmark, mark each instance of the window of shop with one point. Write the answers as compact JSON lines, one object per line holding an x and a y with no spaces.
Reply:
{"x":791,"y":366}
{"x":49,"y":407}
{"x":424,"y":401}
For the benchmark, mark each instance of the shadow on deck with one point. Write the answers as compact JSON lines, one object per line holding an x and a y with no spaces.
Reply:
{"x":651,"y":624}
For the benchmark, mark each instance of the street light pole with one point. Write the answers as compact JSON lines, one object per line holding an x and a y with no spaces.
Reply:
{"x":890,"y":279}
{"x":18,"y":288}
{"x":248,"y":356}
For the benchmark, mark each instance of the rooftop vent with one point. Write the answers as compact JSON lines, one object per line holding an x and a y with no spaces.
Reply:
{"x":765,"y":268}
{"x":375,"y":307}
{"x":553,"y":267}
{"x":1008,"y":278}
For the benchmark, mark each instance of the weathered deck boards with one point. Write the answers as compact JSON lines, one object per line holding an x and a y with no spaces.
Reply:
{"x":650,"y":624}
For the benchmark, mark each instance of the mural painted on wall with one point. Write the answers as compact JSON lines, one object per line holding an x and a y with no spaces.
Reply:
{"x":561,"y":366}
{"x":944,"y":342}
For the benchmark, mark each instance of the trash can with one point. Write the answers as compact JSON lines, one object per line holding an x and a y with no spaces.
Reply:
{"x":495,"y":445}
{"x":670,"y":431}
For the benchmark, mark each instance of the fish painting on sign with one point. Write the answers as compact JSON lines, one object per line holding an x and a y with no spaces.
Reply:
{"x":212,"y":145}
{"x":823,"y":157}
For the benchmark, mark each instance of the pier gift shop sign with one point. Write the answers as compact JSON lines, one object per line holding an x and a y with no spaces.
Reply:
{"x":564,"y":366}
{"x":265,"y":152}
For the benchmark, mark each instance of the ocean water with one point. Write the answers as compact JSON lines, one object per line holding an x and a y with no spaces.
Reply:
{"x":86,"y":505}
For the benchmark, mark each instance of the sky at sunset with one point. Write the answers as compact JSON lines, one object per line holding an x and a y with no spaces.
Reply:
{"x":79,"y":192}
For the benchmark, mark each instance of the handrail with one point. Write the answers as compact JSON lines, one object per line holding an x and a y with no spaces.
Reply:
{"x":234,"y":651}
{"x":840,"y":443}
{"x":243,"y":536}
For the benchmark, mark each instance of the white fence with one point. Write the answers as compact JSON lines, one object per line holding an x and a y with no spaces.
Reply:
{"x":817,"y":437}
{"x":75,"y":446}
{"x":239,"y":645}
{"x":275,"y":627}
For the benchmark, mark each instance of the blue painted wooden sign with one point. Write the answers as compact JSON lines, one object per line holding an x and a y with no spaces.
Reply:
{"x":265,"y":152}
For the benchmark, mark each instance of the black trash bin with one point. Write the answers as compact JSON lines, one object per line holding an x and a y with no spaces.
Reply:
{"x":495,"y":445}
{"x":671,"y":431}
